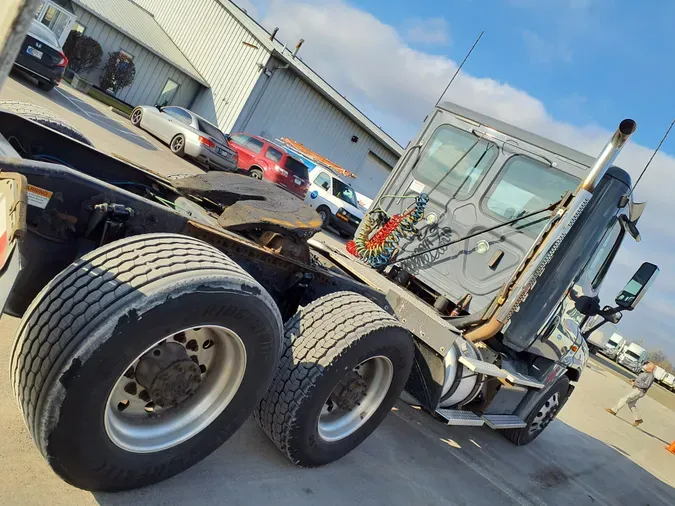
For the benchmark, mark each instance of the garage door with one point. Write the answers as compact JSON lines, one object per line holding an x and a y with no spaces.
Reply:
{"x":371,"y":175}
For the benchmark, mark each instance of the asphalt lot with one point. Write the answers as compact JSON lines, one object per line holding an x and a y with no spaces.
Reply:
{"x":108,"y":132}
{"x":584,"y":457}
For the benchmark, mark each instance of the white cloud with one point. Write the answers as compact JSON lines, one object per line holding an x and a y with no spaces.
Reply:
{"x":371,"y":63}
{"x":427,"y":31}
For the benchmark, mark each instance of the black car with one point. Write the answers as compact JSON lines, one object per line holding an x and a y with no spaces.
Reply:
{"x":41,"y":56}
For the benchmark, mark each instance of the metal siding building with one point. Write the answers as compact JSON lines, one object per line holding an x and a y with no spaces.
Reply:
{"x":226,"y":54}
{"x":122,"y":25}
{"x":256,"y":85}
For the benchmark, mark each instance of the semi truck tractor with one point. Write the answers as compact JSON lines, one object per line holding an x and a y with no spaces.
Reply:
{"x":158,"y":314}
{"x":614,"y":346}
{"x":633,"y":357}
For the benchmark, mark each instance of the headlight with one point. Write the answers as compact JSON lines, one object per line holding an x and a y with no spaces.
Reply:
{"x":342,"y":214}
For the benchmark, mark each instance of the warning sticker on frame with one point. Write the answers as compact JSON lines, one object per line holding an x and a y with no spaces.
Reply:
{"x":38,"y":197}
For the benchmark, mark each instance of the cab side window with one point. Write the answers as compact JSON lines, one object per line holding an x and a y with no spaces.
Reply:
{"x":602,"y":259}
{"x":322,"y":180}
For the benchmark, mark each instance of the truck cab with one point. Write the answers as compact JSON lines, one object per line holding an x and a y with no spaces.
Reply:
{"x":633,"y":357}
{"x":516,"y":237}
{"x":614,"y":346}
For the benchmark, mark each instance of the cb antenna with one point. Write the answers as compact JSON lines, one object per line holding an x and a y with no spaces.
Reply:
{"x":663,"y":139}
{"x":460,"y":67}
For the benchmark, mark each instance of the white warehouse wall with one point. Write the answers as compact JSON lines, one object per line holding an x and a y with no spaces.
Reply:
{"x":152,"y":71}
{"x":219,"y":47}
{"x":287,"y":106}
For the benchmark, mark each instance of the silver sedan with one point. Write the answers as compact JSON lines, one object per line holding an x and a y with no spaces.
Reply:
{"x":187,"y":134}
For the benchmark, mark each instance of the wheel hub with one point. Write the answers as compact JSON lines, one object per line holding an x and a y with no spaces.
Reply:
{"x":349,"y":391}
{"x":168,"y":374}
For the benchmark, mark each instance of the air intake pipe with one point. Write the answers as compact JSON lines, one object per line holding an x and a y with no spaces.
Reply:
{"x":543,"y":249}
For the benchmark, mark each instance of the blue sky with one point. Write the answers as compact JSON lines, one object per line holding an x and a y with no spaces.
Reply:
{"x":566,"y":69}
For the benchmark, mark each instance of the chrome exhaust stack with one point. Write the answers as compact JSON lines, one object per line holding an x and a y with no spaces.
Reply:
{"x":607,"y":156}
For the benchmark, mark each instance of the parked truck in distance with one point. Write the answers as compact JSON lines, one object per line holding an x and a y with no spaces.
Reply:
{"x":660,"y":374}
{"x":633,"y":357}
{"x":615,"y":345}
{"x":669,"y":381}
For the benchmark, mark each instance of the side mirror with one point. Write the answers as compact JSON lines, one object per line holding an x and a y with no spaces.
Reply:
{"x":158,"y":107}
{"x":635,"y":289}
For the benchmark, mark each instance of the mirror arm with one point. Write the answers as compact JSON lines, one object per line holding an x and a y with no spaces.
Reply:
{"x":605,"y":313}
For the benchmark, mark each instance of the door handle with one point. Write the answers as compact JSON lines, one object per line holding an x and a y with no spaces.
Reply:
{"x":496,"y":259}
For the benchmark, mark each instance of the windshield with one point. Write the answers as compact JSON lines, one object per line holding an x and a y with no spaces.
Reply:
{"x":524,"y":186}
{"x":345,"y":192}
{"x":297,"y":168}
{"x":439,"y":165}
{"x":633,"y":354}
{"x":211,"y":130}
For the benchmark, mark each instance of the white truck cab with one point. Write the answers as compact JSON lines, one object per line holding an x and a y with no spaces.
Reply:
{"x":614,"y":346}
{"x":633,"y":357}
{"x":335,"y":200}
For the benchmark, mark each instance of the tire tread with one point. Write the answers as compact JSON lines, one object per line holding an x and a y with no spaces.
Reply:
{"x":86,"y":287}
{"x":43,"y":116}
{"x":330,"y":326}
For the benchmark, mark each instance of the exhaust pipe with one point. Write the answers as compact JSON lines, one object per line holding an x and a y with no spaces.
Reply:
{"x":607,"y":156}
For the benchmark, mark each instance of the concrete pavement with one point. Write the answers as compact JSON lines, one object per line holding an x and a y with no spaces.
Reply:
{"x":108,"y":132}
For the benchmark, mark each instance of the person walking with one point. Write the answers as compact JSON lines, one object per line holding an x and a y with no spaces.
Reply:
{"x":640,"y":386}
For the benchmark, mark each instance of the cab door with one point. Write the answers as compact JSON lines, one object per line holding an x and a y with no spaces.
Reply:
{"x":476,"y":179}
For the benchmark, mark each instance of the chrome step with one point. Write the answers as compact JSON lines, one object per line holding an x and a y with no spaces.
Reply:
{"x":521,"y":379}
{"x":480,"y":367}
{"x":504,"y":422}
{"x":458,"y":417}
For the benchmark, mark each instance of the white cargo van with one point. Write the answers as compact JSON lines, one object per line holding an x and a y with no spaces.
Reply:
{"x":335,"y":200}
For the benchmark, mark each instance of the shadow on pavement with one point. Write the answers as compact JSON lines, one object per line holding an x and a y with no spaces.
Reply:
{"x":412,"y":459}
{"x":65,"y":98}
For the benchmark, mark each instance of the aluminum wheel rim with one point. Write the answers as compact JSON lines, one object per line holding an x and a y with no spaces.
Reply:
{"x":221,"y":355}
{"x":546,"y":414}
{"x":256,"y":175}
{"x":136,"y":117}
{"x":177,"y":144}
{"x":336,"y":424}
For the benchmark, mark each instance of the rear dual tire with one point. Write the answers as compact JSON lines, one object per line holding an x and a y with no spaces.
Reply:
{"x":332,"y":337}
{"x":81,"y":333}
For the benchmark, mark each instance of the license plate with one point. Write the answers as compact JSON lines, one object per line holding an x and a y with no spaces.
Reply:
{"x":222,"y":152}
{"x":34,"y":52}
{"x":298,"y":181}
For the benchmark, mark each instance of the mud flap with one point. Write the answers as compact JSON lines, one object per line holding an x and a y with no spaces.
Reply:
{"x":13,"y":201}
